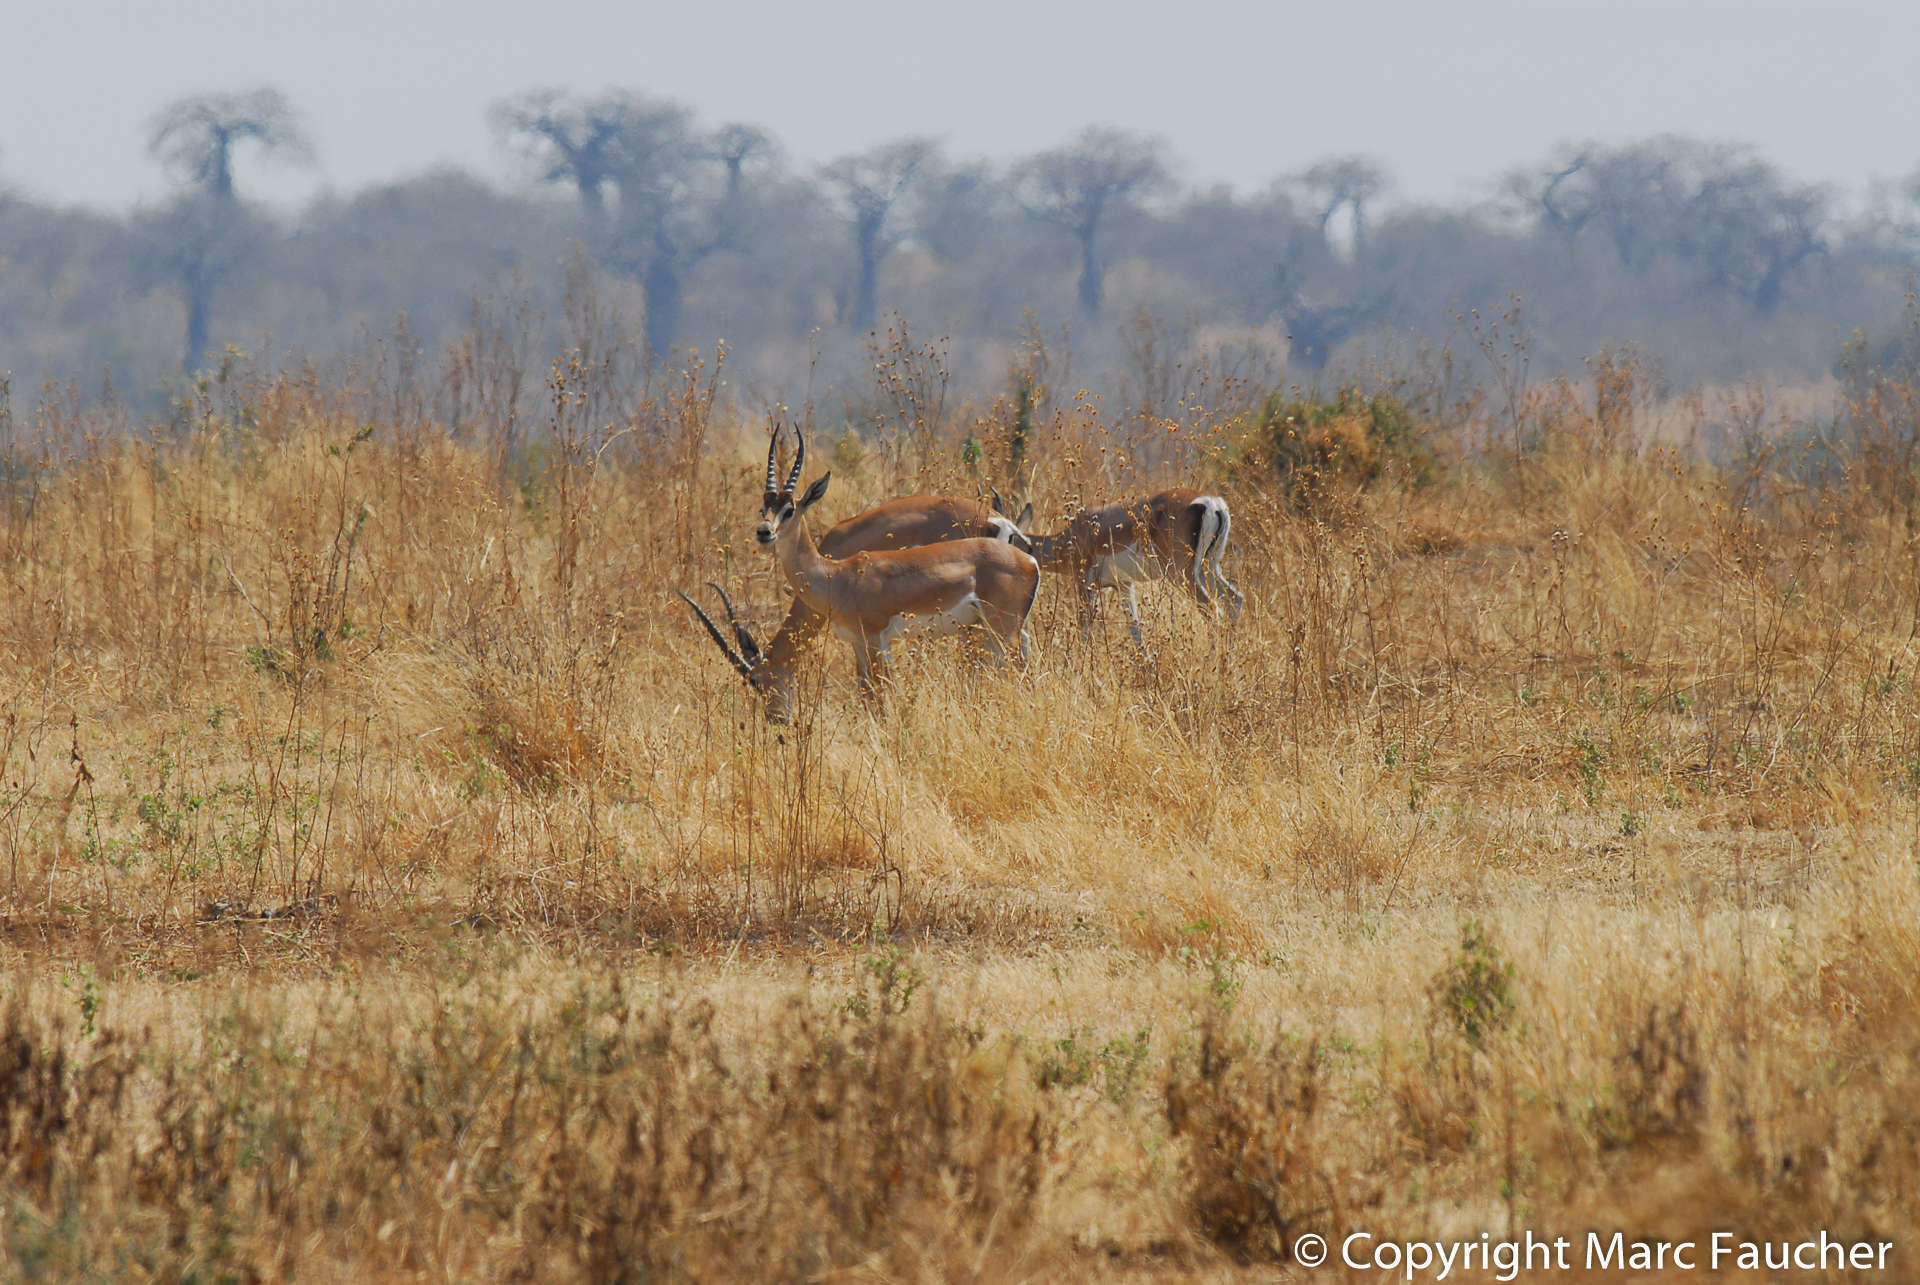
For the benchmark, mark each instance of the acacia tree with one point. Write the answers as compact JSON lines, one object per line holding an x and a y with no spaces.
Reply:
{"x":1633,"y":195}
{"x":869,"y":185}
{"x":1078,"y":186}
{"x":206,"y":234}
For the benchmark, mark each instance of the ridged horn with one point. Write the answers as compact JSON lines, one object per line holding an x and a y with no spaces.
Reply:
{"x":719,"y":640}
{"x":773,"y":464}
{"x":748,"y":647}
{"x":799,"y":458}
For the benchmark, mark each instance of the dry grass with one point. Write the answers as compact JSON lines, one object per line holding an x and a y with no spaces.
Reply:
{"x":397,"y":886}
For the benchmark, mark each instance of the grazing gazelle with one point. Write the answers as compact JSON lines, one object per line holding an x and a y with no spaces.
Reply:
{"x":1170,"y":535}
{"x":904,"y":523}
{"x":871,"y":599}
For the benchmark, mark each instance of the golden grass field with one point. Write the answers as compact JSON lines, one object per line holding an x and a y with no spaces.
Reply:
{"x":399,"y":885}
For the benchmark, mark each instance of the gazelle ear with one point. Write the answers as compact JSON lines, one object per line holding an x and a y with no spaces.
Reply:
{"x":814,"y":492}
{"x":1025,"y":519}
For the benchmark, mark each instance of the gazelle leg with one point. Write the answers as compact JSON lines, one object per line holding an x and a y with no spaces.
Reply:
{"x":1086,"y":611}
{"x":1010,"y":631}
{"x":870,"y":661}
{"x":863,"y":666}
{"x":994,"y":628}
{"x":992,"y":646}
{"x":1133,"y":613}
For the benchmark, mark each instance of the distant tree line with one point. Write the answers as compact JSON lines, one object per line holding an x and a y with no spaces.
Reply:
{"x":1704,"y":254}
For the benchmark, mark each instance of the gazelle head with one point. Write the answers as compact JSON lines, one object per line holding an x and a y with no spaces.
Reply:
{"x":1011,"y":530}
{"x":780,"y":510}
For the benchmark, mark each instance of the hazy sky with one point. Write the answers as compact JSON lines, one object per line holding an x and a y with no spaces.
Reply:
{"x":1446,"y":92}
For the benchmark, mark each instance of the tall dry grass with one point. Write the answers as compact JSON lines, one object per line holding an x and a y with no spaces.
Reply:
{"x":397,"y":885}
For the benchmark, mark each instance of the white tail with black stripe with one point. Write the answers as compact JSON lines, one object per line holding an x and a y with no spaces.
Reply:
{"x":1174,"y":535}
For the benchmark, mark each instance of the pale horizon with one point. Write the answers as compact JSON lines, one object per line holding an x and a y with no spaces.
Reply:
{"x":1447,"y":100}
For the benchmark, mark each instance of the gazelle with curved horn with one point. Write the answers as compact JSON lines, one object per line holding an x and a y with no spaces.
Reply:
{"x":904,"y":523}
{"x":1171,"y":535}
{"x":872,"y":599}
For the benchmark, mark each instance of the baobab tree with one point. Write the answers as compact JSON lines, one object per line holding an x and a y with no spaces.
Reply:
{"x":569,"y":141}
{"x":1322,"y":301}
{"x":200,"y":242}
{"x":1716,"y":210}
{"x":1079,"y":186}
{"x":869,"y":184}
{"x":676,"y":191}
{"x":737,"y":145}
{"x":670,"y":217}
{"x":195,"y":137}
{"x":205,"y":235}
{"x":1344,"y":182}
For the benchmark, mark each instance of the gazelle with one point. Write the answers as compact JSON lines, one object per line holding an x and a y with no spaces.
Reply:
{"x":871,"y":599}
{"x":903,"y":523}
{"x":1170,"y":535}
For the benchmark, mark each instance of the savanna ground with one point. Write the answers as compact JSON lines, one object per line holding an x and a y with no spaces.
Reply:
{"x":398,"y":885}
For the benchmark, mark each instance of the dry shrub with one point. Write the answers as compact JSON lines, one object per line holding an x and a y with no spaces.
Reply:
{"x":61,"y":1099}
{"x":1437,"y":1101}
{"x":1258,"y":1166}
{"x":1870,"y":974}
{"x":540,"y":738}
{"x":1697,"y":1128}
{"x":1660,"y":1083}
{"x":1338,"y":854}
{"x":1341,"y":844}
{"x":597,"y":1137}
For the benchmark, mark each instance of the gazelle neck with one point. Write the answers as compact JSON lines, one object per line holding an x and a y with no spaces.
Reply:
{"x":807,"y":569}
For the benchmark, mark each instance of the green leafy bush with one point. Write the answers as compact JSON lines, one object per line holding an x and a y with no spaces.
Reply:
{"x":1318,"y":446}
{"x":1476,"y":987}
